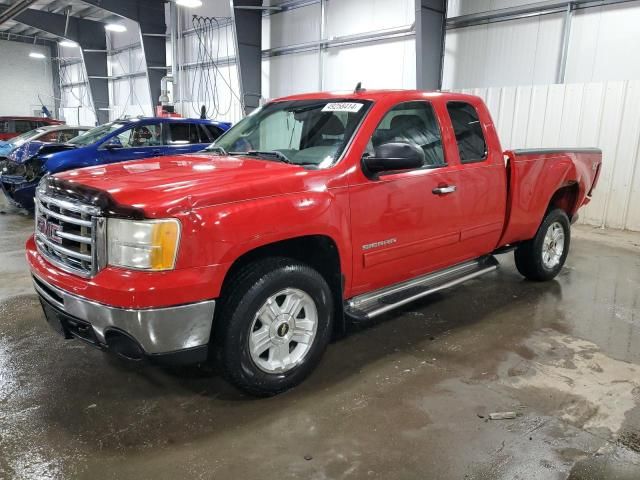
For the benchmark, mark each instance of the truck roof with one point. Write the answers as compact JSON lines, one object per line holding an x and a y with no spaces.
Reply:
{"x":374,"y":95}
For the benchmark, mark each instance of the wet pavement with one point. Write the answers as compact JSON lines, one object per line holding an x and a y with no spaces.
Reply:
{"x":407,"y":397}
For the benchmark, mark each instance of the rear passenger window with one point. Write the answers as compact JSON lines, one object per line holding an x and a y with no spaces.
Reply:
{"x":209,"y":133}
{"x":415,"y":123}
{"x":23,"y":126}
{"x":468,"y":130}
{"x":183,"y":133}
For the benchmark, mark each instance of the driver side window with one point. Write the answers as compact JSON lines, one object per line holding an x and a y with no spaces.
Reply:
{"x":141,"y":136}
{"x":414,"y":123}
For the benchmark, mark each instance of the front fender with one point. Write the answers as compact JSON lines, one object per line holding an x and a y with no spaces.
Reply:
{"x":219,"y":235}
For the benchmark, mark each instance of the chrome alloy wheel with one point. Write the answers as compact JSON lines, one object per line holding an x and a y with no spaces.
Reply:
{"x":283,"y":331}
{"x":553,"y":245}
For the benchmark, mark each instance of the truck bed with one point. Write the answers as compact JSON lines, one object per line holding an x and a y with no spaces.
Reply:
{"x":542,"y":178}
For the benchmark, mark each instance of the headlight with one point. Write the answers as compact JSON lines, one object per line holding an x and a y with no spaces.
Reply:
{"x":143,"y":244}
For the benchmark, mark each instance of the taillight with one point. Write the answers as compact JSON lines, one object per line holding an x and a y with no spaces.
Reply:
{"x":595,"y":179}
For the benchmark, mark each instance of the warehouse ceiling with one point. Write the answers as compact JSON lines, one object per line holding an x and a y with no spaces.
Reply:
{"x":76,"y":8}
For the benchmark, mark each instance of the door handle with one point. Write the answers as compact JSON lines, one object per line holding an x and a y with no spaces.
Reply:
{"x":156,"y":152}
{"x":444,"y":190}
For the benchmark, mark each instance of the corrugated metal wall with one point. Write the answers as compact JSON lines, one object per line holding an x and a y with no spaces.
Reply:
{"x":601,"y":114}
{"x":603,"y":45}
{"x":382,"y":64}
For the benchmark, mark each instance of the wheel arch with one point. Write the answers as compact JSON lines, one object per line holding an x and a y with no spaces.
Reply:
{"x":319,"y":251}
{"x":565,"y":198}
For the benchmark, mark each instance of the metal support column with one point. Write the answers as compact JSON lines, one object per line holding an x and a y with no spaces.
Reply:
{"x":247,"y":23}
{"x":55,"y":77}
{"x":566,"y":36}
{"x":430,"y":30}
{"x":323,"y":33}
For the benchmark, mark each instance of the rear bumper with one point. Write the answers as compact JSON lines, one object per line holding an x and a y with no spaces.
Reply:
{"x":177,"y":334}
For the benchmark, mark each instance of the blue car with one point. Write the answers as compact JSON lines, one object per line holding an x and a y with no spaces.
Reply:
{"x":109,"y":143}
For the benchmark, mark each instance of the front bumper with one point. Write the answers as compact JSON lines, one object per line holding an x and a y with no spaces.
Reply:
{"x":18,"y":190}
{"x":177,"y":334}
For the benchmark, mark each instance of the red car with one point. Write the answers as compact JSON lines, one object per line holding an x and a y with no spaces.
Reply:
{"x":13,"y":126}
{"x":313,"y":211}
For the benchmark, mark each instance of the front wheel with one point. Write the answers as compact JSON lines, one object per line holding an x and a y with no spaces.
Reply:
{"x":542,"y":257}
{"x":274,"y":325}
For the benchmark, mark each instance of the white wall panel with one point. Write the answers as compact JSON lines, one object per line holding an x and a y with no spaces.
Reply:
{"x":347,"y":17}
{"x":604,"y":115}
{"x":518,"y":52}
{"x":299,"y":25}
{"x":604,"y":44}
{"x":23,"y":78}
{"x":527,"y":51}
{"x":76,"y":106}
{"x":389,"y":64}
{"x":465,"y":7}
{"x":128,"y":96}
{"x":290,"y":74}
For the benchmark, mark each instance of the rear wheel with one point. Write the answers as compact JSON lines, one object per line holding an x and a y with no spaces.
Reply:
{"x":542,"y":257}
{"x":274,"y":325}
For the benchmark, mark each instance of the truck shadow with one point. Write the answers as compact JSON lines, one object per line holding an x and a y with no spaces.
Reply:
{"x":84,"y":394}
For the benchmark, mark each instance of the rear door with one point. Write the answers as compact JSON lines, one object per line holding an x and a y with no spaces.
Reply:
{"x":481,"y":176}
{"x":407,"y":223}
{"x":184,"y":137}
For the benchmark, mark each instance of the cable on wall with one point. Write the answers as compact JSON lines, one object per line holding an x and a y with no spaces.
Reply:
{"x":206,"y":91}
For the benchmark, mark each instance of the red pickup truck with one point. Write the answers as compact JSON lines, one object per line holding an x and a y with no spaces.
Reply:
{"x":313,"y":211}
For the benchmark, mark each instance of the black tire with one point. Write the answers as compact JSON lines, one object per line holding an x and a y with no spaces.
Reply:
{"x":529,"y":255}
{"x":248,"y":291}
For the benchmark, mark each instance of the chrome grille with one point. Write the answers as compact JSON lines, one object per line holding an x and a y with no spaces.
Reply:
{"x":67,"y":233}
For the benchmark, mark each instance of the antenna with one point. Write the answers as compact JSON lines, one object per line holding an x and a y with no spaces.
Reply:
{"x":359,"y":88}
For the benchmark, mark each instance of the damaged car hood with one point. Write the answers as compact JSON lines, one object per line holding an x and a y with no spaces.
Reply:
{"x":180,"y":183}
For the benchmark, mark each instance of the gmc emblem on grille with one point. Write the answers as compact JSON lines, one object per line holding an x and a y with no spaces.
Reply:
{"x":50,"y":230}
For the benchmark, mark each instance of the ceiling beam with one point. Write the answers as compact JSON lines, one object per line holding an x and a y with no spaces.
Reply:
{"x":15,"y":9}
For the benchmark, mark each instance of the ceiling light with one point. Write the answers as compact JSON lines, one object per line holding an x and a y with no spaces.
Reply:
{"x":68,"y":44}
{"x":37,"y":55}
{"x":189,"y":3}
{"x":115,"y":27}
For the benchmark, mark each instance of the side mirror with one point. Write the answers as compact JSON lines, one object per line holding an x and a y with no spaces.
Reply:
{"x":112,"y":143}
{"x":390,"y":157}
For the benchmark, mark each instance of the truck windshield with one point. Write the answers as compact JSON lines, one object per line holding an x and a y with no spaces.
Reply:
{"x":96,"y":134}
{"x":312,"y":133}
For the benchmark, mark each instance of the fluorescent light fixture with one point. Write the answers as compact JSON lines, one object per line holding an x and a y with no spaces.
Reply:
{"x":189,"y":3}
{"x":67,"y":43}
{"x":115,"y":27}
{"x":37,"y":55}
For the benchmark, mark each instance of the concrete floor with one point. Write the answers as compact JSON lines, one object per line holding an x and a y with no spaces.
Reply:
{"x":405,"y":398}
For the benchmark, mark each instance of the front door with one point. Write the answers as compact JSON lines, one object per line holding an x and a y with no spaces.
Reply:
{"x":140,"y":141}
{"x":407,"y":223}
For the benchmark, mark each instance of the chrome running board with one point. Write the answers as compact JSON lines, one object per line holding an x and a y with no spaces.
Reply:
{"x":370,"y":305}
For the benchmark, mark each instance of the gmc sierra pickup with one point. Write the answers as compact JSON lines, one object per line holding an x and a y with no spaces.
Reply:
{"x":313,"y":211}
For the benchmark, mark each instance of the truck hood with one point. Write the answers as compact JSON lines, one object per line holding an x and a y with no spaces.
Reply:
{"x":175,"y":184}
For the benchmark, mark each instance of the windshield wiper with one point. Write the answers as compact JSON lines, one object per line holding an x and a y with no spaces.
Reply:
{"x":268,"y":154}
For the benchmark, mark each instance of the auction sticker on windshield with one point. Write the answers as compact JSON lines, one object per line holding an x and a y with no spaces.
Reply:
{"x":342,"y":107}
